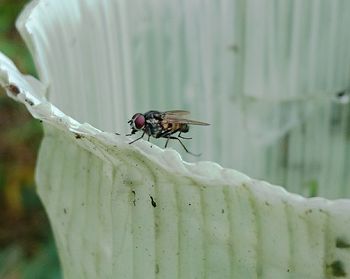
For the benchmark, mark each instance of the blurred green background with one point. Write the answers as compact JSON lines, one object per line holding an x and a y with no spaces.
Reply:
{"x":27,"y":248}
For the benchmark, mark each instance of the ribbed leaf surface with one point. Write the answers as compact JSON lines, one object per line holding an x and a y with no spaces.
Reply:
{"x":121,"y":211}
{"x":117,"y":213}
{"x":270,"y":76}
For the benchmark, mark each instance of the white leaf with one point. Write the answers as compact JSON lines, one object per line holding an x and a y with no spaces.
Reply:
{"x":138,"y":211}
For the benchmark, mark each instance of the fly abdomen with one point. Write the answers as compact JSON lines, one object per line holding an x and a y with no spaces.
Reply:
{"x":184,"y":128}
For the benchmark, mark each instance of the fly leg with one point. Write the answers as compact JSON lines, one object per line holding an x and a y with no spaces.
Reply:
{"x":138,"y":138}
{"x":179,"y":135}
{"x":166,"y":143}
{"x":132,"y":132}
{"x":170,"y":137}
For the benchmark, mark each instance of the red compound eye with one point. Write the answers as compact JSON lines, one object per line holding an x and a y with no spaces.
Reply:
{"x":139,"y":121}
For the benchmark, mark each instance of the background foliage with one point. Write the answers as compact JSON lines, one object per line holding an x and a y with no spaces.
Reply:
{"x":27,"y":248}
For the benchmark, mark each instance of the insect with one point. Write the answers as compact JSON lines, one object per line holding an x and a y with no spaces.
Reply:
{"x":163,"y":125}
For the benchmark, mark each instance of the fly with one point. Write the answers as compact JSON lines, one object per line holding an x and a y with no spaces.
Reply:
{"x":163,"y":125}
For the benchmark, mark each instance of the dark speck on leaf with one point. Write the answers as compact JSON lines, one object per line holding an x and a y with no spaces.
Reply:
{"x":65,"y":211}
{"x":340,"y":94}
{"x":154,"y":204}
{"x":341,"y":243}
{"x":234,"y":48}
{"x":13,"y":89}
{"x":134,"y":199}
{"x":337,"y":269}
{"x":30,"y":102}
{"x":222,"y":211}
{"x":78,"y":136}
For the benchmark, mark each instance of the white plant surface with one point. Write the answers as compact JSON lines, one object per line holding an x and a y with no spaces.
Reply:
{"x":270,"y":76}
{"x":138,"y":211}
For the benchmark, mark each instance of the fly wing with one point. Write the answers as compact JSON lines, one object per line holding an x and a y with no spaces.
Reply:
{"x":176,"y":113}
{"x":180,"y":120}
{"x":187,"y":121}
{"x":176,"y":116}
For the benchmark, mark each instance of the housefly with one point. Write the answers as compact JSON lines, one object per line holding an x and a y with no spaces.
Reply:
{"x":163,"y":125}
